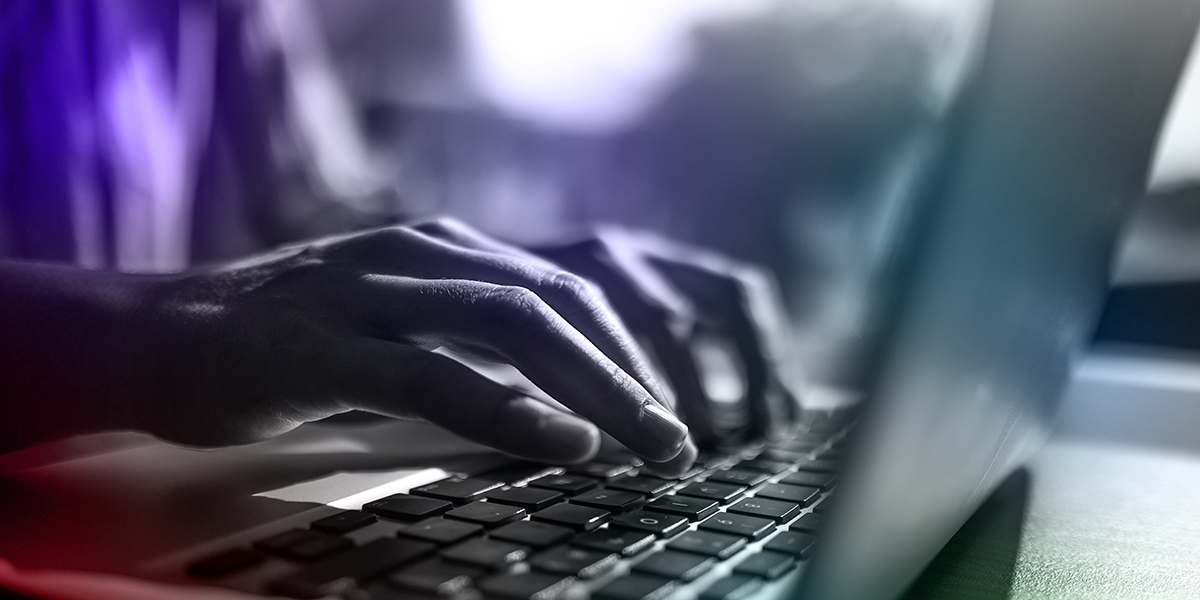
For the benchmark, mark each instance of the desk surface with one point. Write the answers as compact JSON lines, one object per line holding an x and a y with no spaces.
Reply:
{"x":1087,"y":521}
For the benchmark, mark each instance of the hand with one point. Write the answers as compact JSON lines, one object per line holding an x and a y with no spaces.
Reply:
{"x":246,"y":351}
{"x":674,"y":297}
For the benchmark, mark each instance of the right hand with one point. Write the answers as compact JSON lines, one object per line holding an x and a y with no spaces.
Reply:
{"x":245,"y":351}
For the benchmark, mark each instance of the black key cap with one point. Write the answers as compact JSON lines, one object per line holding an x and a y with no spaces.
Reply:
{"x":721,"y":492}
{"x":636,"y":587}
{"x":811,"y":522}
{"x":486,"y":553}
{"x":457,"y":490}
{"x":820,"y":480}
{"x":708,"y":543}
{"x":436,"y":577}
{"x":226,"y":562}
{"x":279,"y":543}
{"x":768,"y":565}
{"x":734,"y":587}
{"x":763,"y":507}
{"x":660,"y":524}
{"x":526,"y":586}
{"x":799,"y":494}
{"x":750,"y":527}
{"x":793,"y":542}
{"x":303,"y":544}
{"x":442,"y":532}
{"x":530,"y":499}
{"x":821,"y":466}
{"x":822,"y":507}
{"x":343,"y":571}
{"x":685,"y":506}
{"x":576,"y":562}
{"x":642,"y":484}
{"x":567,"y":484}
{"x":582,"y":518}
{"x":532,"y":533}
{"x":764,"y":465}
{"x":675,"y":565}
{"x":317,"y":547}
{"x":403,"y":507}
{"x":600,"y":470}
{"x":610,"y":500}
{"x":625,"y":542}
{"x":486,"y":514}
{"x":738,"y":477}
{"x":344,"y":522}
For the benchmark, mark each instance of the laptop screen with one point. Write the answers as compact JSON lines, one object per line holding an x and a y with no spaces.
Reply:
{"x":1002,"y":285}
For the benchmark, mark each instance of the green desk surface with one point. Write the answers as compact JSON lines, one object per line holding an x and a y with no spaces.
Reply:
{"x":1084,"y":520}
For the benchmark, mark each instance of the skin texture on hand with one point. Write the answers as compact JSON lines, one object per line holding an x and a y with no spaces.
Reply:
{"x":250,"y":350}
{"x":670,"y":294}
{"x":241,"y":352}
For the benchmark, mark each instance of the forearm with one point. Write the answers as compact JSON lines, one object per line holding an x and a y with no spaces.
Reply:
{"x":67,"y":352}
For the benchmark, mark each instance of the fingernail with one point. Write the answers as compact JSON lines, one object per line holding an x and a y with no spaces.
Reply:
{"x":668,"y":430}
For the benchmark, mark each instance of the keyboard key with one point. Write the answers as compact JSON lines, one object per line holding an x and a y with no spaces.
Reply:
{"x":318,"y":547}
{"x":532,"y":533}
{"x":576,"y":562}
{"x":799,"y":494}
{"x":763,"y":507}
{"x":442,"y":532}
{"x":642,"y":484}
{"x":279,"y":543}
{"x":821,"y":466}
{"x":768,"y":565}
{"x":692,"y":508}
{"x":226,"y":562}
{"x":600,"y":470}
{"x":636,"y":587}
{"x":708,"y":543}
{"x":675,"y":565}
{"x":737,"y":477}
{"x":819,"y":480}
{"x":567,"y":484}
{"x":582,"y":518}
{"x":625,"y":542}
{"x":486,"y":553}
{"x":486,"y":514}
{"x":812,"y":522}
{"x":750,"y":527}
{"x":734,"y":587}
{"x":457,"y":490}
{"x":343,"y":571}
{"x":763,"y":465}
{"x":526,"y":586}
{"x":793,"y":542}
{"x":530,"y":499}
{"x":660,"y":524}
{"x":721,"y":492}
{"x":344,"y":522}
{"x":403,"y":507}
{"x":303,"y":544}
{"x":436,"y":577}
{"x":610,"y":500}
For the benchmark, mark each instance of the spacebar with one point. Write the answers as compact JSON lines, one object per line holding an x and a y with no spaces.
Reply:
{"x":341,"y":572}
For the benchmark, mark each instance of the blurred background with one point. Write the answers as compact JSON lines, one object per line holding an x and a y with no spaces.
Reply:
{"x":149,"y":136}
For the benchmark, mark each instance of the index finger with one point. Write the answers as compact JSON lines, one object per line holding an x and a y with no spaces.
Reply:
{"x":516,"y":324}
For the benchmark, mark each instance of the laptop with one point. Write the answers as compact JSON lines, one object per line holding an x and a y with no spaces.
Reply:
{"x":990,"y":297}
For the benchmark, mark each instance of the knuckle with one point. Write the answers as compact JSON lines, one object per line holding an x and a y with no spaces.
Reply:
{"x":513,"y":301}
{"x":572,"y":285}
{"x":443,"y":226}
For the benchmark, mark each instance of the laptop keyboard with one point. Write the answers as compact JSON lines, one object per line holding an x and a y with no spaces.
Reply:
{"x":602,"y":530}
